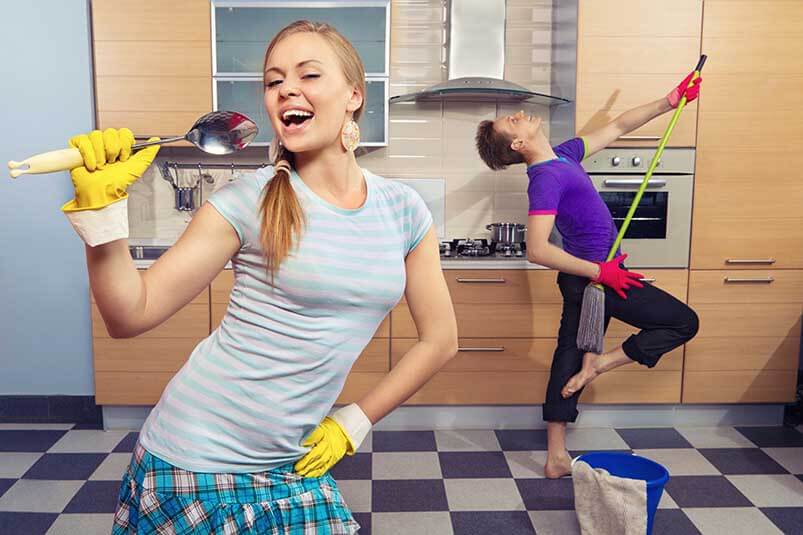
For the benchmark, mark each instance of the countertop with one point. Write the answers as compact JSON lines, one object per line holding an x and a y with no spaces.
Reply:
{"x":466,"y":263}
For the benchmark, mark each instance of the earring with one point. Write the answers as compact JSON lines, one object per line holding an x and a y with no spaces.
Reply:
{"x":274,"y":150}
{"x":350,"y":135}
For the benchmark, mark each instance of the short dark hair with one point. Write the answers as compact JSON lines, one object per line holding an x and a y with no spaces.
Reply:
{"x":494,"y":147}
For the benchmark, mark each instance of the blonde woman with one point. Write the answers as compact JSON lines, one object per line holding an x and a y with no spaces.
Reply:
{"x":321,"y":249}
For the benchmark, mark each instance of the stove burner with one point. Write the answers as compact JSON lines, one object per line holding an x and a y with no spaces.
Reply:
{"x":481,"y":247}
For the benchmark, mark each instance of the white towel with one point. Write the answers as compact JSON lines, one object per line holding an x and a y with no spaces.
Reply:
{"x":608,"y":505}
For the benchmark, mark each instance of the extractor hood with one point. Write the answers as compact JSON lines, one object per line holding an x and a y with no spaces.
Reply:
{"x":476,"y":58}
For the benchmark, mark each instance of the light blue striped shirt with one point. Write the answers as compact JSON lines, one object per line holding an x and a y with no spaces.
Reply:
{"x":271,"y":371}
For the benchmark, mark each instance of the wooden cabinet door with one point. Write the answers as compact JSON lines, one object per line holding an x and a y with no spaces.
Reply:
{"x":629,"y":53}
{"x":748,"y":187}
{"x":153,"y":64}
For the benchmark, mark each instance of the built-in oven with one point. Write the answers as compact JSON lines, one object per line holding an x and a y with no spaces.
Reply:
{"x":659,"y":234}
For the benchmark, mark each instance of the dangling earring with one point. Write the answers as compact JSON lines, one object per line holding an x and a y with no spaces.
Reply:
{"x":274,"y":149}
{"x":350,"y":135}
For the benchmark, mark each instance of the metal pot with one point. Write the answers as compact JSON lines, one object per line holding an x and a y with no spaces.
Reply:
{"x":507,"y":232}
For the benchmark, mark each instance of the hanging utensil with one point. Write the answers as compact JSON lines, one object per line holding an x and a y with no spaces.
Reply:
{"x":218,"y":132}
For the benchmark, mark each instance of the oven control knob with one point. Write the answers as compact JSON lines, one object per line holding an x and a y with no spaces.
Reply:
{"x":615,"y":161}
{"x":636,"y":161}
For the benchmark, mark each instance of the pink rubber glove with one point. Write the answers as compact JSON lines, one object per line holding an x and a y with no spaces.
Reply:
{"x":691,"y":92}
{"x":616,"y":278}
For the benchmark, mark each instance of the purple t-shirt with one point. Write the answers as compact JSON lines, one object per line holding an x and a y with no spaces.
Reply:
{"x":562,"y":187}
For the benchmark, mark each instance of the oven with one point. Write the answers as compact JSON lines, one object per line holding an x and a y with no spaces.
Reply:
{"x":659,"y":234}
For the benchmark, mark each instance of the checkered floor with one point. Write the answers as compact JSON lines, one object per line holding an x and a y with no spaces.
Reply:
{"x":63,"y":479}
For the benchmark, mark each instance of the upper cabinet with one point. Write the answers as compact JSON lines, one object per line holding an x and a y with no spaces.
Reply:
{"x":631,"y":52}
{"x":242,"y":31}
{"x":748,"y":188}
{"x":152,"y":64}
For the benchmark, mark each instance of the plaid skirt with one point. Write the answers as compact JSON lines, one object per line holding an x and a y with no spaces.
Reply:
{"x":157,"y":497}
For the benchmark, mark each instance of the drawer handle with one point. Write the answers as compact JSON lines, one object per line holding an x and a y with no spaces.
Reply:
{"x":639,"y":138}
{"x":761,"y":280}
{"x":750,"y":261}
{"x":481,"y":349}
{"x":647,"y":279}
{"x":482,"y":281}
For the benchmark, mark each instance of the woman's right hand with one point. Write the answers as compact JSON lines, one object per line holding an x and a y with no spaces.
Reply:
{"x":109,"y":168}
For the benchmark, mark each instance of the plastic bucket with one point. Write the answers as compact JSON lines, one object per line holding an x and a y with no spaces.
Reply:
{"x":633,"y":467}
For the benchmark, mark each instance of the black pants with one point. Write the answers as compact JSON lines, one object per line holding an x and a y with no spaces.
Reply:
{"x":665,"y":324}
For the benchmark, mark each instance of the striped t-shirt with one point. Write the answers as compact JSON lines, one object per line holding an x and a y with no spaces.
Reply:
{"x":266,"y":377}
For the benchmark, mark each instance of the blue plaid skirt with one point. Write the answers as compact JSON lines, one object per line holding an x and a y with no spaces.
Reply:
{"x":157,"y":497}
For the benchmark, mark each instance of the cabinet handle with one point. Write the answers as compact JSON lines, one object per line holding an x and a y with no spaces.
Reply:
{"x":639,"y":138}
{"x":761,"y":280}
{"x":482,"y":281}
{"x":750,"y":261}
{"x":481,"y":349}
{"x":647,"y":279}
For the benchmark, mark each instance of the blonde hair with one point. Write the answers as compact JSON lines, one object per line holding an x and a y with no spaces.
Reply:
{"x":280,"y":212}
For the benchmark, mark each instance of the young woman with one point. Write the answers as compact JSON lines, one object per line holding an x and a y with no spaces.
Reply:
{"x":321,"y":249}
{"x":561,"y":194}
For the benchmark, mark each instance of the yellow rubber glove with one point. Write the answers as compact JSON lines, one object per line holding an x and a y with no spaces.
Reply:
{"x":109,"y":168}
{"x":336,"y":436}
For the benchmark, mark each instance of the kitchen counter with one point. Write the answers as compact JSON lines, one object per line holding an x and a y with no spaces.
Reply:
{"x":154,"y":247}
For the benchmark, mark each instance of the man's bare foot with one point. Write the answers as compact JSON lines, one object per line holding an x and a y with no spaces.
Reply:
{"x":587,"y":374}
{"x":558,"y":467}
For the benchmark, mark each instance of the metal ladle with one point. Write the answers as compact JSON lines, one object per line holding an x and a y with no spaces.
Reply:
{"x":218,"y":132}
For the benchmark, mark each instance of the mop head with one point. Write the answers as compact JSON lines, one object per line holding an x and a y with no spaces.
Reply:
{"x":592,"y":320}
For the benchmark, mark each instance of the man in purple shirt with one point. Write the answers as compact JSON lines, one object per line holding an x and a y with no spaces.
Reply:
{"x":561,"y":194}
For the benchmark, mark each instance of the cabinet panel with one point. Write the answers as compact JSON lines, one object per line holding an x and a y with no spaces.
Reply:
{"x":742,"y":386}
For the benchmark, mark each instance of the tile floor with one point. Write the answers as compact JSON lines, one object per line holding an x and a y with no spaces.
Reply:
{"x":63,"y":479}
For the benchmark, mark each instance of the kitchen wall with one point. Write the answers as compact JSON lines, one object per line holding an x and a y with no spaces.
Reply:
{"x":430,"y":140}
{"x":45,"y":331}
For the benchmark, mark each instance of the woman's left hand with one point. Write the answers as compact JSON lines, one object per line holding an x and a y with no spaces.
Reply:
{"x":336,"y":436}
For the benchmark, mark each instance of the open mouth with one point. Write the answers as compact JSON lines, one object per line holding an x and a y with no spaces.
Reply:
{"x":295,"y":119}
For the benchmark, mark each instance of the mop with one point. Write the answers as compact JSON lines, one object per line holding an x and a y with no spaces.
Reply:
{"x":592,"y":316}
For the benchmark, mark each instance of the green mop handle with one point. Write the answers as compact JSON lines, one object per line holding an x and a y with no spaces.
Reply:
{"x":654,"y":162}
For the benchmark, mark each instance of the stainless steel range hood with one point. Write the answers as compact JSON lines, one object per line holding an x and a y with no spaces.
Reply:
{"x":476,"y":59}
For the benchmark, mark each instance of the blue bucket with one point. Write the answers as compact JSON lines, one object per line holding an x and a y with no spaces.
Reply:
{"x":633,"y":467}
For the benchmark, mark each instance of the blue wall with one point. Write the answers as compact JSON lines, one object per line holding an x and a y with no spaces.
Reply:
{"x":46,"y":95}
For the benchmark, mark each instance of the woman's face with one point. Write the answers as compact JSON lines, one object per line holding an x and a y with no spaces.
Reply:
{"x":306,"y":93}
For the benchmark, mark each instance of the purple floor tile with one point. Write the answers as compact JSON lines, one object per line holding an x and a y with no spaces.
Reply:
{"x":788,"y":519}
{"x":652,"y":438}
{"x":408,"y":495}
{"x":95,"y":497}
{"x":522,"y":439}
{"x":92,"y":425}
{"x":705,"y":491}
{"x":364,"y":520}
{"x":29,"y":440}
{"x":773,"y":437}
{"x":473,"y":464}
{"x":5,"y":484}
{"x":673,"y":522}
{"x":485,"y":522}
{"x":357,"y":466}
{"x":386,"y":441}
{"x":127,"y":444}
{"x":546,"y":494}
{"x":65,"y":466}
{"x":743,"y":461}
{"x":26,"y":523}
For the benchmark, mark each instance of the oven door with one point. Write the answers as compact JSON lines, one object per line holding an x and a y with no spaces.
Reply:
{"x":659,"y":233}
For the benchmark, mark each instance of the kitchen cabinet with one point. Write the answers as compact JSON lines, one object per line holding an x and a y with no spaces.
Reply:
{"x":748,"y":190}
{"x":507,"y":323}
{"x":749,"y":340}
{"x":134,"y":371}
{"x":152,"y":64}
{"x":629,"y":53}
{"x":243,"y":30}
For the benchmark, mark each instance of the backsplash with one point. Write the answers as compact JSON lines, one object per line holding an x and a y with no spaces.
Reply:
{"x":426,"y":140}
